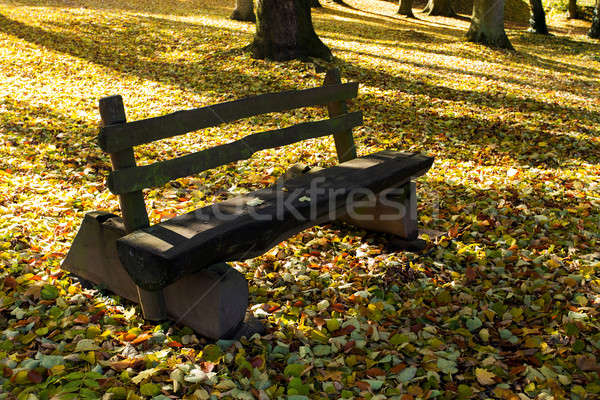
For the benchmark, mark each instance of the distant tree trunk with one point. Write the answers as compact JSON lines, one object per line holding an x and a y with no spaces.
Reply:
{"x":406,"y":8}
{"x":284,"y":31}
{"x":315,"y":4}
{"x":487,"y":24}
{"x":244,"y":11}
{"x":537,"y":22}
{"x":573,"y":10}
{"x":595,"y":28}
{"x":440,"y":7}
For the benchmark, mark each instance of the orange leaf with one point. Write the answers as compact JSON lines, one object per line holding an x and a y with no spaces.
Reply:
{"x":142,"y":338}
{"x":82,"y":319}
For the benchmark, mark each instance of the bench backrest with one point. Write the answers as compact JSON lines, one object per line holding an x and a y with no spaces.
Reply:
{"x":118,"y":137}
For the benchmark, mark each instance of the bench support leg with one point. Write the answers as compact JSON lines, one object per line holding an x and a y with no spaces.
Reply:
{"x":392,"y":211}
{"x":213,"y":301}
{"x":409,"y":222}
{"x":153,"y":304}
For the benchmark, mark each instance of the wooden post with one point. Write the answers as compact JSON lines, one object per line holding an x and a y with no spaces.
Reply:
{"x":344,"y":141}
{"x":132,"y":204}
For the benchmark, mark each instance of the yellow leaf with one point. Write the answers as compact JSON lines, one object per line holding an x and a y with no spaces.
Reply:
{"x":485,"y":377}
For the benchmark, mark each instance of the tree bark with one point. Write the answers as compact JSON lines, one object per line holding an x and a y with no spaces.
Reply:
{"x":487,"y":24}
{"x":284,"y":31}
{"x":406,"y":8}
{"x":537,"y":22}
{"x":315,"y":4}
{"x":443,"y":8}
{"x":573,"y":10}
{"x":244,"y":11}
{"x":595,"y":28}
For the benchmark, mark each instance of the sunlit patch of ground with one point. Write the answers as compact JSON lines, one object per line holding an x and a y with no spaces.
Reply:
{"x":512,"y":287}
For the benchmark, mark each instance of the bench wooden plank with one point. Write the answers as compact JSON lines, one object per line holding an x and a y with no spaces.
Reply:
{"x":159,"y":173}
{"x":344,"y":140}
{"x":237,"y":230}
{"x":121,"y":136}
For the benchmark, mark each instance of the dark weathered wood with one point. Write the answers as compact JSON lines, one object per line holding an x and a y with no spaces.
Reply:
{"x":157,"y":174}
{"x":249,"y":225}
{"x":125,"y":135}
{"x":393,"y":211}
{"x":93,"y":254}
{"x":132,"y":204}
{"x":344,"y":141}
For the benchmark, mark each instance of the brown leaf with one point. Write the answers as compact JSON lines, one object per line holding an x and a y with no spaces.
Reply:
{"x":10,"y":282}
{"x":373,"y":372}
{"x":587,"y":363}
{"x":35,"y":377}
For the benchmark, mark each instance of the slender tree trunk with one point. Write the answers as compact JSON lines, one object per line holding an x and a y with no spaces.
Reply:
{"x":406,"y":8}
{"x":537,"y":22}
{"x":284,"y":31}
{"x":244,"y":11}
{"x":573,"y":10}
{"x":315,"y":4}
{"x":487,"y":24}
{"x":595,"y":28}
{"x":440,"y":7}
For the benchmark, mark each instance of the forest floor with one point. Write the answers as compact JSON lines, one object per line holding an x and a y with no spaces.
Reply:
{"x":503,"y":305}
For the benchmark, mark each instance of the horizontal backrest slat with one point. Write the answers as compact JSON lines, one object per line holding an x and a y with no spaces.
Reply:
{"x":113,"y":138}
{"x":159,"y":173}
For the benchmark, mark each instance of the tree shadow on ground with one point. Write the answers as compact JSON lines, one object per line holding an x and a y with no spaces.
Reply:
{"x":77,"y":150}
{"x":384,"y":22}
{"x":474,"y":138}
{"x":377,"y":77}
{"x":172,"y":7}
{"x":445,"y":69}
{"x":112,"y":47}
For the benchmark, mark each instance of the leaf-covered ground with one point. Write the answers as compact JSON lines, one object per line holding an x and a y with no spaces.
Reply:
{"x":503,"y":305}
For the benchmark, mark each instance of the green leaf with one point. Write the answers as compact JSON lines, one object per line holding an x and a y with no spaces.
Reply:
{"x":212,"y":353}
{"x":49,"y":292}
{"x":446,"y":366}
{"x":474,"y":324}
{"x":149,"y":389}
{"x":86,"y":345}
{"x":294,"y":370}
{"x":407,"y":374}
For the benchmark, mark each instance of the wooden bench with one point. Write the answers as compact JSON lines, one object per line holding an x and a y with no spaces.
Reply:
{"x":177,"y":267}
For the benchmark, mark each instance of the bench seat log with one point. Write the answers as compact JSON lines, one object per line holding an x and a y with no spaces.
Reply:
{"x":234,"y":230}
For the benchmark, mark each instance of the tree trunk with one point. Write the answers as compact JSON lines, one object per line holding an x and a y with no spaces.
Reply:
{"x":440,"y":7}
{"x":487,"y":24}
{"x":595,"y":28}
{"x":244,"y":11}
{"x":406,"y":8}
{"x":537,"y":22}
{"x":573,"y":10}
{"x":284,"y":31}
{"x":315,"y":4}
